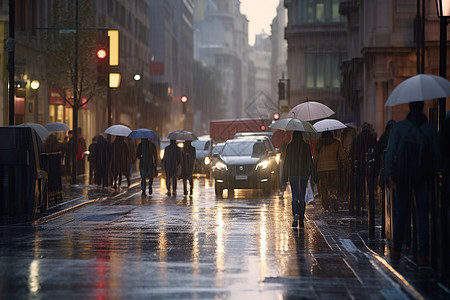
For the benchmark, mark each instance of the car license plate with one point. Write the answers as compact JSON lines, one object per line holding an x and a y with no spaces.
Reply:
{"x":241,"y":177}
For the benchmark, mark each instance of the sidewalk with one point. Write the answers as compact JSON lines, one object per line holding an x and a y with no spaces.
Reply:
{"x":418,"y":283}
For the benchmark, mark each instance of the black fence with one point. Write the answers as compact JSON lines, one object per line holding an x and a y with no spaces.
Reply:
{"x":370,"y":197}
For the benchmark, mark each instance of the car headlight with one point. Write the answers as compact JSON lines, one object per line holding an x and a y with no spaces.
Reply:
{"x":278,"y":158}
{"x":221,"y":166}
{"x":207,"y":160}
{"x":262,"y":165}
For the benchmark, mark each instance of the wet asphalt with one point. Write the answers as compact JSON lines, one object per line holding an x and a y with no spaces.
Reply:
{"x":119,"y":245}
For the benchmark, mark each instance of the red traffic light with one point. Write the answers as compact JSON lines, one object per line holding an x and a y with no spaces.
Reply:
{"x":184,"y":99}
{"x":263,"y":127}
{"x":276,"y":116}
{"x":101,"y":54}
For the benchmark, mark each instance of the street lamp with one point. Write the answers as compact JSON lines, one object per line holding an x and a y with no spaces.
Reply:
{"x":443,"y":12}
{"x":34,"y":85}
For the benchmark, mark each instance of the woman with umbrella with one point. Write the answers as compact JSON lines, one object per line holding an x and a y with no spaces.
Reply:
{"x":328,"y":156}
{"x":298,"y":167}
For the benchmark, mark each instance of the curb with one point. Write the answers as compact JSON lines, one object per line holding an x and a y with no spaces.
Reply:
{"x":396,"y":276}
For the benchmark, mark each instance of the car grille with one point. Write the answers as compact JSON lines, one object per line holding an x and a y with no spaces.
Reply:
{"x":241,"y":169}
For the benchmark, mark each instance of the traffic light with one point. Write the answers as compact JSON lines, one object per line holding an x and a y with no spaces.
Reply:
{"x":102,"y":65}
{"x":184,"y":100}
{"x":281,"y":90}
{"x":276,"y":116}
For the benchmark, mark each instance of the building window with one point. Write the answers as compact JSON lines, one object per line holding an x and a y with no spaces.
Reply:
{"x":322,"y":70}
{"x":317,"y":11}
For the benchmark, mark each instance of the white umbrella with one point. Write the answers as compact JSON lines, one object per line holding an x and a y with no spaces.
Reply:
{"x":419,"y":88}
{"x":329,"y":124}
{"x":310,"y":110}
{"x":119,"y":130}
{"x":182,"y":135}
{"x":41,"y":131}
{"x":293,"y":124}
{"x":56,"y":126}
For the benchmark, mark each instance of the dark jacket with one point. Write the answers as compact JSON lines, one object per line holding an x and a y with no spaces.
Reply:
{"x":188,"y":156}
{"x":120,"y":156}
{"x":407,"y":127}
{"x":171,"y":159}
{"x":146,"y":153}
{"x":298,"y":161}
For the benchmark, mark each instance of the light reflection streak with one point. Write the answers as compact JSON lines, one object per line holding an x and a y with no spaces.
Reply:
{"x":220,"y":247}
{"x":33,"y":279}
{"x":162,"y":247}
{"x":195,"y":241}
{"x":263,"y":244}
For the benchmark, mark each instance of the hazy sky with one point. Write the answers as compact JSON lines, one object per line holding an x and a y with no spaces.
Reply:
{"x":260,"y":14}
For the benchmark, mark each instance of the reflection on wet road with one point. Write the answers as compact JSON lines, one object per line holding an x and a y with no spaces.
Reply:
{"x":185,"y":247}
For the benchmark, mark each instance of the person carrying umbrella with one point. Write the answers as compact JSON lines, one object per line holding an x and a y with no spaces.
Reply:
{"x":188,"y":156}
{"x":171,"y":162}
{"x":102,"y":161}
{"x":297,"y":168}
{"x":146,"y":153}
{"x":328,"y":156}
{"x":120,"y":161}
{"x":411,"y":160}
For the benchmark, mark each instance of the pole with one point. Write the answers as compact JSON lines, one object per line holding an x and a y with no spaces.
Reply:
{"x":442,"y":67}
{"x":75,"y":102}
{"x":10,"y":48}
{"x":442,"y":203}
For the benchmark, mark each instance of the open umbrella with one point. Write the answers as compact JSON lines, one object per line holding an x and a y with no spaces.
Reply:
{"x":419,"y":88}
{"x":293,"y":124}
{"x":56,"y":126}
{"x":41,"y":131}
{"x":182,"y":135}
{"x":143,"y":133}
{"x":310,"y":110}
{"x":329,"y":124}
{"x":119,"y":130}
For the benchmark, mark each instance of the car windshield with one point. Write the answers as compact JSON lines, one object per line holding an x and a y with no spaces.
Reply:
{"x":217,"y":149}
{"x":200,"y":145}
{"x":244,"y":149}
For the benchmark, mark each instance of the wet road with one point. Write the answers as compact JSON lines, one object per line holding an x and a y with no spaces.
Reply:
{"x":201,"y":247}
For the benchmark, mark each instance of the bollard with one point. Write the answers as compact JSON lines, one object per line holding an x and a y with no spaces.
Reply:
{"x":371,"y":190}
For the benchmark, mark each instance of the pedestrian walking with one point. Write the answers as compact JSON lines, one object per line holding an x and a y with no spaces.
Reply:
{"x":81,"y":149}
{"x":92,"y":160}
{"x":286,"y":141}
{"x":380,"y":147}
{"x":148,"y":159}
{"x":410,"y":162}
{"x":188,"y":156}
{"x":172,"y":163}
{"x":329,"y":155}
{"x":120,"y":161}
{"x":298,"y":168}
{"x":102,"y":161}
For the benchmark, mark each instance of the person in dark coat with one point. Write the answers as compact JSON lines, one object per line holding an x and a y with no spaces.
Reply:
{"x":381,"y":145}
{"x":414,"y":127}
{"x":148,"y":159}
{"x":92,"y":160}
{"x":102,"y":161}
{"x":297,"y":169}
{"x":171,"y":161}
{"x":120,"y":161}
{"x":188,"y":156}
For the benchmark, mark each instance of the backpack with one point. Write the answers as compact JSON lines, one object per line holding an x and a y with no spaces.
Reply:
{"x":413,"y":162}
